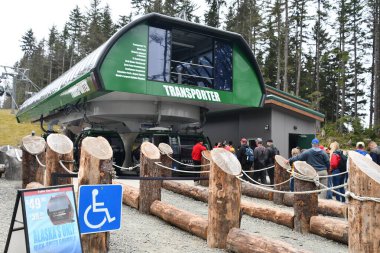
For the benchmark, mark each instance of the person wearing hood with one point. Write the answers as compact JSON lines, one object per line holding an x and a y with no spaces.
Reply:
{"x":318,"y":159}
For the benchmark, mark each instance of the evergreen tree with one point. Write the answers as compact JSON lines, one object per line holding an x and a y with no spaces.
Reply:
{"x":212,"y":16}
{"x":28,"y":43}
{"x":123,"y":20}
{"x":106,"y":24}
{"x":93,"y":36}
{"x":75,"y":28}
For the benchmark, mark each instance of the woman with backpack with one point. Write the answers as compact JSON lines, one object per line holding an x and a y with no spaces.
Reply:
{"x":338,"y":164}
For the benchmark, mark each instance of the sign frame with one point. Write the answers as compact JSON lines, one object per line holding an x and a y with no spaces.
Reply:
{"x":21,"y":197}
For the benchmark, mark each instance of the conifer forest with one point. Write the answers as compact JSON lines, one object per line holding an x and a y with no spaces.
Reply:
{"x":325,"y":51}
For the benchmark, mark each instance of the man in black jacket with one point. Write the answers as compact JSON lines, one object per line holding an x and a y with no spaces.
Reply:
{"x":272,"y":152}
{"x":242,"y":157}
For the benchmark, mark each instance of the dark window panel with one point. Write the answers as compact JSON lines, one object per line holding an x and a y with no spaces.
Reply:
{"x":159,"y":54}
{"x":223,"y":66}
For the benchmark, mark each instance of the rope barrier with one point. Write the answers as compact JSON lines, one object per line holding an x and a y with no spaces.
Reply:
{"x":66,"y":169}
{"x":334,"y":175}
{"x":18,"y":156}
{"x":188,"y":165}
{"x":126,"y":168}
{"x":360,"y":198}
{"x":270,"y":185}
{"x":162,"y":178}
{"x":39,"y":162}
{"x":299,"y":192}
{"x":184,"y":171}
{"x":267,"y":168}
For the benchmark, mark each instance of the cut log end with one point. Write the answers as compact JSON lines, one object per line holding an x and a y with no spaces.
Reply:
{"x":305,"y":169}
{"x":33,"y":185}
{"x":33,"y":144}
{"x":150,"y":150}
{"x":165,"y":149}
{"x":97,"y":147}
{"x":367,"y":166}
{"x":226,"y":161}
{"x":60,"y":143}
{"x":281,"y":161}
{"x":206,"y":154}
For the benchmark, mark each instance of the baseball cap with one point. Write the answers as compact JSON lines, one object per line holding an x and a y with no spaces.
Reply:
{"x":360,"y":143}
{"x":259,"y":140}
{"x":315,"y":141}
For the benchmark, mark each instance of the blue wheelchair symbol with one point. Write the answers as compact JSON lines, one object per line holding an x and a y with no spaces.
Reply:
{"x":100,"y":208}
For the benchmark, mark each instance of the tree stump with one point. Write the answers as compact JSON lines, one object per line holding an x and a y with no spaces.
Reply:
{"x":280,"y":175}
{"x":95,"y":167}
{"x":59,"y":148}
{"x":33,"y":147}
{"x":224,"y":197}
{"x":206,"y":157}
{"x":305,"y":205}
{"x":13,"y":169}
{"x":166,"y":151}
{"x":150,"y":190}
{"x":363,"y":216}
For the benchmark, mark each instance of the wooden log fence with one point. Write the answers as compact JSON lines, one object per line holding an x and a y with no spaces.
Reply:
{"x":330,"y":228}
{"x":364,"y":204}
{"x":305,"y":205}
{"x":206,"y":157}
{"x":13,"y":170}
{"x":150,"y":190}
{"x":33,"y":170}
{"x":166,"y":153}
{"x":244,"y":242}
{"x":224,"y":197}
{"x":189,"y":222}
{"x":131,"y":195}
{"x":95,"y":168}
{"x":280,"y":175}
{"x":59,"y":148}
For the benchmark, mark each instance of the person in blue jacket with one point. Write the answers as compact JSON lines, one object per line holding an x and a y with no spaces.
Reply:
{"x":318,"y":159}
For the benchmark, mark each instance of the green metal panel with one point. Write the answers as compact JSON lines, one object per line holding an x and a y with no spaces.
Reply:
{"x":122,"y":70}
{"x":70,"y":94}
{"x":124,"y":67}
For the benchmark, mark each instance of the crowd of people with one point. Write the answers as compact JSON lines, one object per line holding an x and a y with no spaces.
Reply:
{"x":330,"y":163}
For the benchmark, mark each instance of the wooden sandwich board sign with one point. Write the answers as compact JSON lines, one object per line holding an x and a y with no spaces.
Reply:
{"x":45,"y":220}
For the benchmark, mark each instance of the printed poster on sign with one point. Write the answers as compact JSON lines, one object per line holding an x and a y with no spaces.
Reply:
{"x":51,"y":219}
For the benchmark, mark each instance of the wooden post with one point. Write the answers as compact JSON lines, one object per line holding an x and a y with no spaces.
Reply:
{"x":32,"y":170}
{"x":166,"y":151}
{"x":95,"y":168}
{"x":280,"y":175}
{"x":150,"y":190}
{"x":13,"y":169}
{"x":224,"y":197}
{"x":206,"y":157}
{"x":305,"y":205}
{"x":363,"y":216}
{"x":59,"y":148}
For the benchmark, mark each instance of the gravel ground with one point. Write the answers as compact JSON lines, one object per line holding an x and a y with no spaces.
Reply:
{"x":145,"y":233}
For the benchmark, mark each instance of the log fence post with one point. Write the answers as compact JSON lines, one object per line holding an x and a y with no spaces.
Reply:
{"x":166,"y":151}
{"x":206,"y":157}
{"x":363,"y":216}
{"x":224,"y":197}
{"x":150,"y":190}
{"x":280,"y":175}
{"x":305,"y":205}
{"x":59,"y":148}
{"x":95,"y":168}
{"x":33,"y":170}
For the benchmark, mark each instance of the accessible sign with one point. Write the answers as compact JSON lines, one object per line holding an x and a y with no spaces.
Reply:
{"x":50,"y":220}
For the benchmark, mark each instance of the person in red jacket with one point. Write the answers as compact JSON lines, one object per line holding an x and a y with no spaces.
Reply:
{"x":196,"y":154}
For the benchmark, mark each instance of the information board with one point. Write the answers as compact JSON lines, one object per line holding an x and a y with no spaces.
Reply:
{"x":50,"y":220}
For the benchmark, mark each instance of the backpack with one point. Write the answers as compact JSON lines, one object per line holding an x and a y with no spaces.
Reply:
{"x":342,"y":166}
{"x":249,"y":154}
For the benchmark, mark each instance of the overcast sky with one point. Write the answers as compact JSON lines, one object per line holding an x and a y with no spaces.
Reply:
{"x":17,"y":16}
